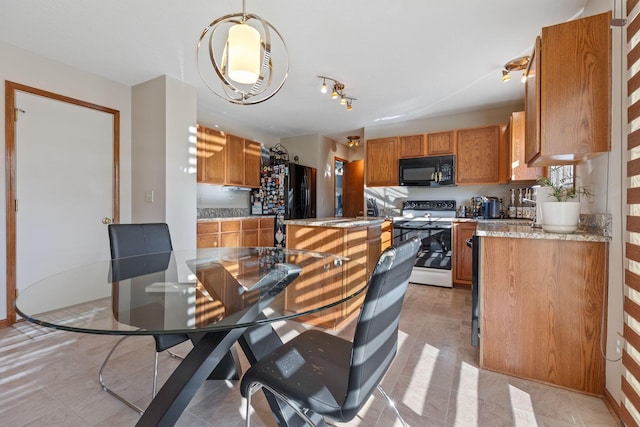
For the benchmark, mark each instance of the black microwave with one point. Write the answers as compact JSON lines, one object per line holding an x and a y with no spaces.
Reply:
{"x":432,"y":171}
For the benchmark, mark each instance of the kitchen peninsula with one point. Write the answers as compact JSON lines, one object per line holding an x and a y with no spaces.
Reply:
{"x":359,"y":239}
{"x":542,"y":298}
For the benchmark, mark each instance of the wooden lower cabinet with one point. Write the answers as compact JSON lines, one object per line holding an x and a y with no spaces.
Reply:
{"x":541,"y":305}
{"x":386,"y":235}
{"x":360,"y":244}
{"x":235,"y":232}
{"x":462,"y":254}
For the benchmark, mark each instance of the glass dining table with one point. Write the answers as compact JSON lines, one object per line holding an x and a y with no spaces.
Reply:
{"x":217,"y":296}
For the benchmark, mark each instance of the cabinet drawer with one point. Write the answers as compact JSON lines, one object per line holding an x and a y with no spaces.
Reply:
{"x":250,"y":224}
{"x":230,"y":225}
{"x":267,"y":222}
{"x":208,"y":227}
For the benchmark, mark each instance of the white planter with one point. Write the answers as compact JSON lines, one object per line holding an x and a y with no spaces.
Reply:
{"x":560,"y":217}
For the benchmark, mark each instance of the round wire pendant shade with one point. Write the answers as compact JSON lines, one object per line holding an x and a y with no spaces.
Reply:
{"x":212,"y":60}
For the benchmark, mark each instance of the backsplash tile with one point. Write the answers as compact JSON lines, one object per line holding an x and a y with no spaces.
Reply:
{"x":596,"y":223}
{"x":206,"y":213}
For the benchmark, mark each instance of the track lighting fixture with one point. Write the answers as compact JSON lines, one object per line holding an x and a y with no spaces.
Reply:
{"x":518,"y":64}
{"x":354,"y":141}
{"x":337,"y":92}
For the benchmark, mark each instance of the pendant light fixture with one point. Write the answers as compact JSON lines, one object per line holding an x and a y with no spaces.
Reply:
{"x":242,"y":58}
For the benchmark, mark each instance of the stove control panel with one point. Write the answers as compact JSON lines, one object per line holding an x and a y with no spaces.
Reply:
{"x":429,"y":205}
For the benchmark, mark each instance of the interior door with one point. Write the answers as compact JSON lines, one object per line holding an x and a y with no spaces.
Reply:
{"x":353,"y":189}
{"x":65,"y":187}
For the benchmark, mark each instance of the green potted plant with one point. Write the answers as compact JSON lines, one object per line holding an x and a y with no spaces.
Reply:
{"x":560,"y":207}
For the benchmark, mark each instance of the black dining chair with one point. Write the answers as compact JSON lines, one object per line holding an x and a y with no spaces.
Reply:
{"x":333,"y":377}
{"x":127,"y":240}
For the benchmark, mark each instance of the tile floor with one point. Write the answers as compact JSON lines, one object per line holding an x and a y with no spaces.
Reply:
{"x":49,"y":378}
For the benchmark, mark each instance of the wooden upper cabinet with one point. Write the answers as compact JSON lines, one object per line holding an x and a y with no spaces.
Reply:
{"x":440,"y":143}
{"x":519,"y":169}
{"x":482,"y":155}
{"x":568,"y":93}
{"x":226,"y":159}
{"x":382,"y":162}
{"x":412,"y":146}
{"x":235,"y":160}
{"x":251,"y":163}
{"x":211,"y":155}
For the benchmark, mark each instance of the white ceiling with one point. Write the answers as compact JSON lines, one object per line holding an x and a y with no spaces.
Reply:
{"x":401,"y":59}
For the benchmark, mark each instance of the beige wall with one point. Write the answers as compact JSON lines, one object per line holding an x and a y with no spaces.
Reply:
{"x":606,"y":175}
{"x":163,"y":157}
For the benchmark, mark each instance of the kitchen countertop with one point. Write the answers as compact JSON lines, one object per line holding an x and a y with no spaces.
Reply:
{"x":523,"y":230}
{"x":337,"y":222}
{"x":230,"y":218}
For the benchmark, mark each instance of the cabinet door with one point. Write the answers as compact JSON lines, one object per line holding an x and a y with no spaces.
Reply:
{"x":208,"y":234}
{"x":482,"y":155}
{"x":462,"y":265}
{"x":230,"y":234}
{"x":412,"y":146}
{"x":235,"y":160}
{"x":250,"y":238}
{"x":382,"y":162}
{"x":440,"y":143}
{"x":519,"y":169}
{"x":211,"y":156}
{"x":251,"y":163}
{"x":574,"y":75}
{"x":532,"y":107}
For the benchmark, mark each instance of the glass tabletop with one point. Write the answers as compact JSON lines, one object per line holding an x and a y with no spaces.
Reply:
{"x":190,"y":291}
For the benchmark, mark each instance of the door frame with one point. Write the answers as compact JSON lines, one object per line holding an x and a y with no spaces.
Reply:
{"x":335,"y":183}
{"x":10,"y":174}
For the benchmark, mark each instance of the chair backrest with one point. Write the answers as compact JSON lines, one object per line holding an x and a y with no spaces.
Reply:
{"x":138,"y":239}
{"x":376,"y":336}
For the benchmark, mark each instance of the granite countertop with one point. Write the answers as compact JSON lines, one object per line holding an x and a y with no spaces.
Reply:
{"x":337,"y":222}
{"x":506,"y":228}
{"x":230,"y":218}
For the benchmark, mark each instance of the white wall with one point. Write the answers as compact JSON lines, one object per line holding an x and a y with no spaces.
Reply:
{"x":606,"y":175}
{"x":25,"y":68}
{"x":163,"y":157}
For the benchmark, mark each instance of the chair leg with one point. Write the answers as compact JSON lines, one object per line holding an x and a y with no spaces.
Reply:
{"x":393,"y":405}
{"x":108,"y":390}
{"x":155,"y":375}
{"x":257,"y":386}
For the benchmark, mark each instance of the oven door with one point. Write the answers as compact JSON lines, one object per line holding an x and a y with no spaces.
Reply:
{"x":435,"y":244}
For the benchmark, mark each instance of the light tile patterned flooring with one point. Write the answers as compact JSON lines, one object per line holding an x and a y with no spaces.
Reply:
{"x":49,"y":378}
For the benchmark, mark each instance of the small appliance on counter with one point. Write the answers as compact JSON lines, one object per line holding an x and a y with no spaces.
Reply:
{"x":486,"y":207}
{"x":372,"y":207}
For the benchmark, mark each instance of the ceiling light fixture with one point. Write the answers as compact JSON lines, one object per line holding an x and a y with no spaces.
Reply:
{"x":241,"y":68}
{"x":337,"y":92}
{"x":354,"y":141}
{"x":518,"y":64}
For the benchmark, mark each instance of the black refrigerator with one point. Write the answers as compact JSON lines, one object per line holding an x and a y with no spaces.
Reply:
{"x":288,"y":191}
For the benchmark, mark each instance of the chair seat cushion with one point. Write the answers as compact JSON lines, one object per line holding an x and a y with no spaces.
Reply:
{"x":312,"y":369}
